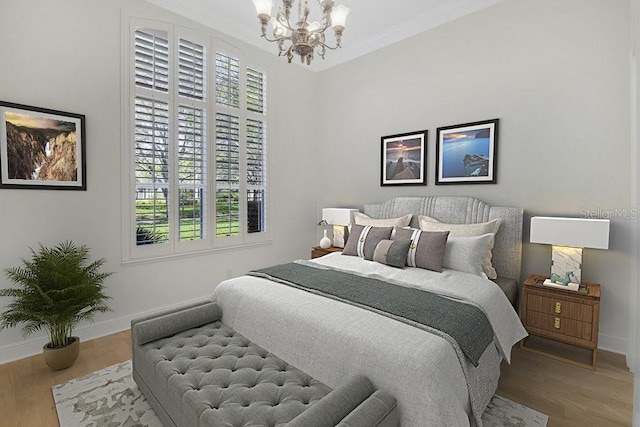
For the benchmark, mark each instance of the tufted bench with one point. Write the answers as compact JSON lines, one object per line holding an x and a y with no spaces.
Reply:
{"x":194,"y":370}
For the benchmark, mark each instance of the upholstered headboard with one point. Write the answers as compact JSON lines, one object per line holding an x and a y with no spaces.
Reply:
{"x":507,"y":251}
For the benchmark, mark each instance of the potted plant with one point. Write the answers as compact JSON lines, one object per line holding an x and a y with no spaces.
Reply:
{"x":56,"y":289}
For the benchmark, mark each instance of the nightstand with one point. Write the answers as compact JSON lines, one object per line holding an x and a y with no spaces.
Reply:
{"x":565,"y":316}
{"x":317,"y":251}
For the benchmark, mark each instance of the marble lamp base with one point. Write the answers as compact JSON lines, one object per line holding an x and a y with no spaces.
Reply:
{"x":566,"y":260}
{"x":340,"y":235}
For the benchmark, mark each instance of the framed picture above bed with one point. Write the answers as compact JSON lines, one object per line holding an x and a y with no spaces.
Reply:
{"x":404,"y":159}
{"x":41,"y":148}
{"x":467,"y":153}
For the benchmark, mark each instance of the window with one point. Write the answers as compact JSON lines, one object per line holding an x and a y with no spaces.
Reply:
{"x":228,"y":149}
{"x":198,"y":144}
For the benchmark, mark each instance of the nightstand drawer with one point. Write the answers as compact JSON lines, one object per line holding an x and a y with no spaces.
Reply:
{"x":560,"y":307}
{"x":559,"y":325}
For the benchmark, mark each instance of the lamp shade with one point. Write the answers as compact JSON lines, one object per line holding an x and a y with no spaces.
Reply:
{"x":339,"y":17}
{"x":263,"y":7}
{"x":338,"y":216}
{"x":575,"y":232}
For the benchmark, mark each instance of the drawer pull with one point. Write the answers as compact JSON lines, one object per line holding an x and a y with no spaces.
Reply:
{"x":556,"y":323}
{"x":558,"y":307}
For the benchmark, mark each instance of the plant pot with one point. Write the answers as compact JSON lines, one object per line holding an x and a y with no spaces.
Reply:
{"x":62,"y":357}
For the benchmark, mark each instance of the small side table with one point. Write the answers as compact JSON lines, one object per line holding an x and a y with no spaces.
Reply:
{"x":566,"y":316}
{"x":317,"y":251}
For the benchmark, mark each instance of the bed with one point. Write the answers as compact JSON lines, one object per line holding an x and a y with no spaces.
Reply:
{"x":433,"y":379}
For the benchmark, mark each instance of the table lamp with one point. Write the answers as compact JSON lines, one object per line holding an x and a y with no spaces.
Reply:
{"x":341,"y":219}
{"x":568,"y":236}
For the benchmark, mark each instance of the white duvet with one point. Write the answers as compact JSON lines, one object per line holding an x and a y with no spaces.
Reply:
{"x":332,"y":341}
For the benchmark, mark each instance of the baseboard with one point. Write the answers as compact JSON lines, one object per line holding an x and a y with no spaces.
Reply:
{"x":614,"y":344}
{"x":33,"y":346}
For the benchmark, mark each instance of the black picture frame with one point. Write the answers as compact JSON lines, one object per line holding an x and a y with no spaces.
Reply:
{"x":404,"y":159}
{"x":467,"y":153}
{"x":41,"y":149}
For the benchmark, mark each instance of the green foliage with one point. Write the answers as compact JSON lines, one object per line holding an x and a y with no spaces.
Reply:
{"x":145,"y":236}
{"x":56,"y":289}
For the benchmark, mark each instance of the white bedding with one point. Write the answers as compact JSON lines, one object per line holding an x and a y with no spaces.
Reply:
{"x":333,"y":341}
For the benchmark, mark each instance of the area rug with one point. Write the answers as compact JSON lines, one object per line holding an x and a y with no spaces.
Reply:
{"x":110,"y":398}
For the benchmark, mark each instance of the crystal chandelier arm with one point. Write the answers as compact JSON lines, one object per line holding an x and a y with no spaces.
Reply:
{"x":287,"y":7}
{"x":280,"y":40}
{"x":326,"y":46}
{"x":285,"y":21}
{"x":280,"y":28}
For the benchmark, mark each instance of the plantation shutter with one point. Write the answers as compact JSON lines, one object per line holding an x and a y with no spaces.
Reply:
{"x":151,"y":135}
{"x":192,"y":142}
{"x":227,"y":175}
{"x":256,"y":177}
{"x":255,"y":91}
{"x":256,"y":153}
{"x":227,"y":81}
{"x":192,"y":180}
{"x":152,"y":60}
{"x":191,"y":70}
{"x":227,"y":146}
{"x":152,"y":170}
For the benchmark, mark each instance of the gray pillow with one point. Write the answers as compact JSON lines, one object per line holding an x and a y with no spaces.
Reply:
{"x":364,"y":219}
{"x":427,"y":247}
{"x":466,"y":230}
{"x":466,"y":254}
{"x":363,"y":240}
{"x":392,"y":252}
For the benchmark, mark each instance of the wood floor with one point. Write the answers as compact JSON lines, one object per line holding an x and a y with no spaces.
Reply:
{"x":570,"y":395}
{"x":26,"y":399}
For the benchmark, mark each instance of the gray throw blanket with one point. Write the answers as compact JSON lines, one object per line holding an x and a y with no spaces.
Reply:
{"x":464,"y":323}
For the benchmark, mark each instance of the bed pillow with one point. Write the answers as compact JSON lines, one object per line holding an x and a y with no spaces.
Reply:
{"x":427,"y":247}
{"x":392,"y":252}
{"x":466,"y":230}
{"x":363,"y":219}
{"x":466,"y":254}
{"x":363,"y":240}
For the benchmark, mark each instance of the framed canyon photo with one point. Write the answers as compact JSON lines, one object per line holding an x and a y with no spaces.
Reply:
{"x":404,"y":159}
{"x":41,"y":148}
{"x":467,"y":153}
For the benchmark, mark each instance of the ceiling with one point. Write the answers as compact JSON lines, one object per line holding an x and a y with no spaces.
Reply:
{"x":371,"y":25}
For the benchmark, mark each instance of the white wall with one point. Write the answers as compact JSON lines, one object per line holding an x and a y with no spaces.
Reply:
{"x":635,"y":196}
{"x":556,"y":73}
{"x":65,"y":55}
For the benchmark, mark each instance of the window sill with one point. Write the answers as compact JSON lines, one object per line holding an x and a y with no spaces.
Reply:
{"x":170,"y":257}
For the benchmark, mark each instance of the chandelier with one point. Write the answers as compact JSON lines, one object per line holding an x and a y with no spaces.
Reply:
{"x":301,"y":37}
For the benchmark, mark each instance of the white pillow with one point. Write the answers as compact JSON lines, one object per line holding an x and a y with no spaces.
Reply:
{"x":363,"y":219}
{"x":466,"y":254}
{"x":466,"y":230}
